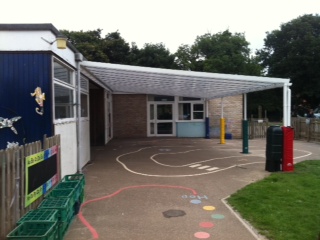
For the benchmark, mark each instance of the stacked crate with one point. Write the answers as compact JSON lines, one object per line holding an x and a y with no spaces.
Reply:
{"x":55,"y":213}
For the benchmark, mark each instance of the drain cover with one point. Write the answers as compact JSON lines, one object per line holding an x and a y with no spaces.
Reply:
{"x":173,"y":213}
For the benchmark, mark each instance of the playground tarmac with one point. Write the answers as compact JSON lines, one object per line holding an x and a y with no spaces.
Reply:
{"x":171,"y":188}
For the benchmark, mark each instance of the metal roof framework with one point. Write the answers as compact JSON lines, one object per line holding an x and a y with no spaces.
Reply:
{"x":145,"y":80}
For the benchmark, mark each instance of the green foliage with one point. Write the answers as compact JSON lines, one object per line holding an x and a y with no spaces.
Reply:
{"x":116,"y":48}
{"x":294,"y":52}
{"x":284,"y":205}
{"x":222,"y":53}
{"x":153,"y":55}
{"x":89,"y":43}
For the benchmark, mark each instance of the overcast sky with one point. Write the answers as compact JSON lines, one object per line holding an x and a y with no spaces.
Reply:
{"x":172,"y":22}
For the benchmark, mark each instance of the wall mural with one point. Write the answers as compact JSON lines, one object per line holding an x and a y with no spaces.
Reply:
{"x":39,"y":97}
{"x":8,"y":123}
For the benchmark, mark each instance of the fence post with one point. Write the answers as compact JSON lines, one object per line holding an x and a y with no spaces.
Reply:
{"x":2,"y":199}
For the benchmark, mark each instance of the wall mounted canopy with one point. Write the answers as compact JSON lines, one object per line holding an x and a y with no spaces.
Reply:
{"x":146,"y":80}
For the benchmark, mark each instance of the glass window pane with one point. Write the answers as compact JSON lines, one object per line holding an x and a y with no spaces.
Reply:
{"x":84,"y":84}
{"x":198,"y":107}
{"x":63,"y":99}
{"x":151,"y":111}
{"x":184,"y":111}
{"x":165,"y":128}
{"x":160,"y":98}
{"x":84,"y":105}
{"x":62,"y":73}
{"x":198,"y":115}
{"x":164,"y":112}
{"x":189,"y":99}
{"x":151,"y":128}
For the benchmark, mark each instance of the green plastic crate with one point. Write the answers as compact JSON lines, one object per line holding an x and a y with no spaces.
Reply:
{"x":71,"y":184}
{"x":64,"y":193}
{"x":74,"y":177}
{"x":64,"y":226}
{"x":43,"y":215}
{"x":35,"y":231}
{"x":63,"y":205}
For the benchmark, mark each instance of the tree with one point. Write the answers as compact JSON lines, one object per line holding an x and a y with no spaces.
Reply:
{"x":153,"y":55}
{"x":294,"y":52}
{"x":116,"y":48}
{"x":113,"y":48}
{"x":89,"y":43}
{"x":223,"y":52}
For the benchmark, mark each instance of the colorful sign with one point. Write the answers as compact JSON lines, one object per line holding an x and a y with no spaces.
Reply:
{"x":41,"y":173}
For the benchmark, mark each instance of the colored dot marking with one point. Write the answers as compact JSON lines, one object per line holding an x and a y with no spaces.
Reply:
{"x":202,"y":235}
{"x":206,"y":224}
{"x":209,"y":208}
{"x":217,"y":216}
{"x":195,"y":201}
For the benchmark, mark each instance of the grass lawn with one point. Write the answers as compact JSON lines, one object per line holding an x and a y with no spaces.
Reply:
{"x":283,"y":206}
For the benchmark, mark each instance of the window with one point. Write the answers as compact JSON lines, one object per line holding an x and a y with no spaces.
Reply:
{"x":160,"y":98}
{"x":64,"y":91}
{"x":198,"y":111}
{"x":63,"y":100}
{"x":84,"y":98}
{"x":190,"y":108}
{"x":62,"y":73}
{"x":84,"y":104}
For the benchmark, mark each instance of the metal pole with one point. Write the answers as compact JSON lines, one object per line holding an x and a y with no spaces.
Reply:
{"x":245,"y":134}
{"x":207,"y":122}
{"x":78,"y":58}
{"x":222,"y":125}
{"x":289,"y":106}
{"x":285,"y":105}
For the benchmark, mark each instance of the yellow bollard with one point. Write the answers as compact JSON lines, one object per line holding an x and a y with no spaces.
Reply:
{"x":222,"y":131}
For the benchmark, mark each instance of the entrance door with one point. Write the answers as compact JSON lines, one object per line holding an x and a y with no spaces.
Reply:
{"x":160,"y":122}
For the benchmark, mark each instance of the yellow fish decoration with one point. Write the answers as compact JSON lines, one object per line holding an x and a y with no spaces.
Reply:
{"x":40,"y":97}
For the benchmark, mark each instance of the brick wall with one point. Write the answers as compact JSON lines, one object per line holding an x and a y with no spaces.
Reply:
{"x":129,"y":115}
{"x":232,"y":113}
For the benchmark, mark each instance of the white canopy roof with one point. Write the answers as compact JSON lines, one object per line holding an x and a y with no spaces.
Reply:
{"x":145,"y":80}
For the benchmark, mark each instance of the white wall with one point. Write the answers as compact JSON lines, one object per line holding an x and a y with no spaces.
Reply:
{"x":32,"y":41}
{"x":68,"y":138}
{"x":84,"y":142}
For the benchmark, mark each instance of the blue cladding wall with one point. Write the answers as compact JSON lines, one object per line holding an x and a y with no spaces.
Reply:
{"x":20,"y":74}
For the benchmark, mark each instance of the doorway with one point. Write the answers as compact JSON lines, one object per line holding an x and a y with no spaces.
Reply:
{"x":160,"y":119}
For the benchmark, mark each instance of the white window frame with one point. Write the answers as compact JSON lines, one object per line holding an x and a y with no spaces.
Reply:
{"x":86,"y":92}
{"x":192,"y":103}
{"x":65,"y":85}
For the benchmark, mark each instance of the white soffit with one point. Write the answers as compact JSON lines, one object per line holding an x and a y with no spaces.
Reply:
{"x":145,"y":80}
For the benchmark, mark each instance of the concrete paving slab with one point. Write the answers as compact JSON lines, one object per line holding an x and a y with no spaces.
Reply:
{"x":131,"y":183}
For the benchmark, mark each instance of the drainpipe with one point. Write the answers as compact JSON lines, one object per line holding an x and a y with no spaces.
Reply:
{"x":78,"y":58}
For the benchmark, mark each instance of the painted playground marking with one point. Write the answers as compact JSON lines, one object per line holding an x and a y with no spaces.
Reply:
{"x":194,"y":196}
{"x":207,"y":169}
{"x":93,"y":231}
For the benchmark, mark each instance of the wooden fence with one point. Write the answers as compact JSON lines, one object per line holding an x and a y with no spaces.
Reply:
{"x":258,"y":128}
{"x":12,"y":182}
{"x":306,"y":129}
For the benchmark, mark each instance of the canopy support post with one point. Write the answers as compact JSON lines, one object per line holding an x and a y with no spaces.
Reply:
{"x":207,"y":122}
{"x":222,"y":126}
{"x":245,"y":132}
